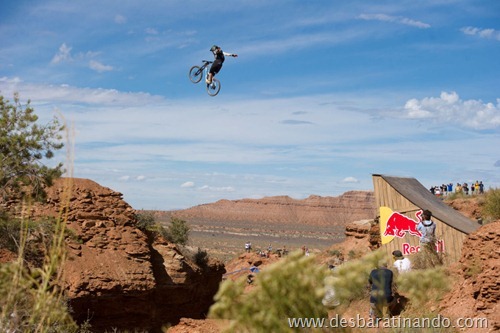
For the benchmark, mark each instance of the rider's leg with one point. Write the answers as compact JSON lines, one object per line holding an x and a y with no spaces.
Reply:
{"x":214,"y":69}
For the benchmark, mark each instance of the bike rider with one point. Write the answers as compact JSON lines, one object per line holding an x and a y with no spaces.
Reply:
{"x":217,"y":64}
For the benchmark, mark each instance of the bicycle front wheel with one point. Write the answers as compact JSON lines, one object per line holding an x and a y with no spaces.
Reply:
{"x":214,"y":87}
{"x":195,"y":74}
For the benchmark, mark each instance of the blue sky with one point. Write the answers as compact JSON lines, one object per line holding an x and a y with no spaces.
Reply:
{"x":323,"y":94}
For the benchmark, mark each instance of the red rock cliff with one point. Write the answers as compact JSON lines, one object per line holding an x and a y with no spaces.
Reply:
{"x":117,"y":276}
{"x":314,"y":210}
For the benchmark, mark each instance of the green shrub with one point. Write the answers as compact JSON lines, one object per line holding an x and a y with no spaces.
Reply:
{"x":201,"y":258}
{"x":30,"y":298}
{"x":26,"y":306}
{"x":335,"y":253}
{"x":146,"y":221}
{"x":456,"y":195}
{"x":38,"y":237}
{"x":423,"y":286}
{"x":177,"y":231}
{"x":350,"y":280}
{"x":290,"y":288}
{"x":491,"y":206}
{"x":427,"y":258}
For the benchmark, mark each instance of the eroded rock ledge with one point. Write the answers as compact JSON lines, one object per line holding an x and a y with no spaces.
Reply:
{"x":117,"y":276}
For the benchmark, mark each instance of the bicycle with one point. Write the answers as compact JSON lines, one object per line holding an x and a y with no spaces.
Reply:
{"x":195,"y":75}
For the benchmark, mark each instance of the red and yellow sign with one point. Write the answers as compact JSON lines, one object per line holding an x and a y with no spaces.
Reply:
{"x":394,"y":224}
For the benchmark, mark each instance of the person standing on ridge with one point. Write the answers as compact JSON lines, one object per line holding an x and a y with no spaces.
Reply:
{"x":428,"y":239}
{"x":427,"y":228}
{"x":219,"y":56}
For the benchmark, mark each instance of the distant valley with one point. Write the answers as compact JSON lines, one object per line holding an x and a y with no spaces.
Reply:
{"x":316,"y":222}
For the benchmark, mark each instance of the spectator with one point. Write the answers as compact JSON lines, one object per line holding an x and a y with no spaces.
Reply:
{"x":450,"y":188}
{"x":381,"y":291}
{"x":465,"y":188}
{"x":437,"y":191}
{"x":254,"y":269}
{"x":401,"y":263}
{"x":427,"y":228}
{"x":444,"y":188}
{"x":248,"y":247}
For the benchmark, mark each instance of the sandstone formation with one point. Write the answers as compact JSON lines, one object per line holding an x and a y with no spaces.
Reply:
{"x":117,"y":276}
{"x":314,"y":210}
{"x":476,"y":292}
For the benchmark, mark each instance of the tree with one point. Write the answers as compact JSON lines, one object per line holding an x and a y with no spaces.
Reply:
{"x":178,"y":231}
{"x":24,"y":147}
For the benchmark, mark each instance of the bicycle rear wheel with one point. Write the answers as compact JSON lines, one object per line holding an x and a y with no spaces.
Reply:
{"x":195,"y":74}
{"x":214,"y":87}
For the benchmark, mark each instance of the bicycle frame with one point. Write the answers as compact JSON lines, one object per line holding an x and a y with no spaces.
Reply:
{"x":205,"y":69}
{"x":195,"y":75}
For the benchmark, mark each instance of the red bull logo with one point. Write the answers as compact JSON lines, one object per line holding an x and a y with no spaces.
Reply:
{"x":398,"y":225}
{"x":394,"y":224}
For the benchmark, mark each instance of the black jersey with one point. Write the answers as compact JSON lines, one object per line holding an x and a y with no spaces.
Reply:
{"x":219,"y":55}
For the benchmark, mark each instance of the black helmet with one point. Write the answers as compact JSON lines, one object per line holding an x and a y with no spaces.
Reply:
{"x":213,"y":48}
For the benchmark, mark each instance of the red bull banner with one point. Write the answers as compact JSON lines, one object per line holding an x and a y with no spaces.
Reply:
{"x":394,"y":224}
{"x":407,"y":248}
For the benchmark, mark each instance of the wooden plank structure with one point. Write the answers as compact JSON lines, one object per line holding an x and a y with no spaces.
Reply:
{"x":407,"y":196}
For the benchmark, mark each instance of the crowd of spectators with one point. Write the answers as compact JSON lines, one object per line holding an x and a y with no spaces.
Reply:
{"x":467,"y":189}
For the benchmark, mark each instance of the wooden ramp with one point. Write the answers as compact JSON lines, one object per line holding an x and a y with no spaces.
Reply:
{"x":407,"y":196}
{"x":416,"y":193}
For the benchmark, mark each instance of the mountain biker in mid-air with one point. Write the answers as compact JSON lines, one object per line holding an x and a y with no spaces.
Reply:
{"x":219,"y":59}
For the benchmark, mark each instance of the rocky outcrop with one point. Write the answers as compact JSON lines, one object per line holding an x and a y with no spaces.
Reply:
{"x":314,"y":210}
{"x":476,"y":292}
{"x":117,"y":276}
{"x":358,"y":229}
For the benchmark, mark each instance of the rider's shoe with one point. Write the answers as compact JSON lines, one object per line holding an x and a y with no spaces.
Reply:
{"x":208,"y":81}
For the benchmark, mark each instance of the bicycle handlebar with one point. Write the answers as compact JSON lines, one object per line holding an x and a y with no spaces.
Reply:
{"x":207,"y":61}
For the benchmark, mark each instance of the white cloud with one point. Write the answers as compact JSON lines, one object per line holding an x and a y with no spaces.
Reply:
{"x":350,"y":180}
{"x":395,"y":19}
{"x":60,"y":94}
{"x":124,"y":178}
{"x":187,"y":184}
{"x":64,"y":54}
{"x":140,"y":178}
{"x":449,"y":108}
{"x":217,"y":189}
{"x":99,"y":67}
{"x":483,"y":33}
